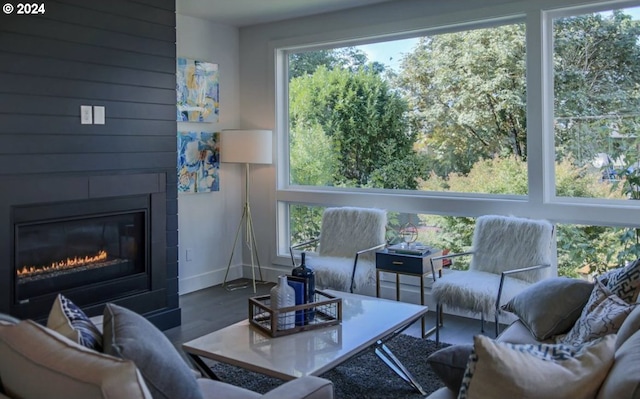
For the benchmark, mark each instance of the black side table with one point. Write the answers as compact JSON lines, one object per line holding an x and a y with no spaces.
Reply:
{"x":408,"y":265}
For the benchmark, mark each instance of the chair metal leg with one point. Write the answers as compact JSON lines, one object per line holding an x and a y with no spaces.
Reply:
{"x":497,"y":326}
{"x":482,"y":322}
{"x":438,"y":321}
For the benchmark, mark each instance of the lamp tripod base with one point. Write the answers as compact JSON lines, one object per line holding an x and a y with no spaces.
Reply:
{"x":235,"y":286}
{"x":242,"y":285}
{"x":251,"y":243}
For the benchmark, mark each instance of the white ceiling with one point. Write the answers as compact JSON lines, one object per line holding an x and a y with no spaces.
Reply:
{"x":252,"y":12}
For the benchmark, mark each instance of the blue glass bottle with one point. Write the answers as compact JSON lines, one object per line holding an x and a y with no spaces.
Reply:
{"x":310,"y":282}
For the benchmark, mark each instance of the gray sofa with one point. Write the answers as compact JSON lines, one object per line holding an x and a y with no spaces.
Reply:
{"x":37,"y":362}
{"x":623,"y":378}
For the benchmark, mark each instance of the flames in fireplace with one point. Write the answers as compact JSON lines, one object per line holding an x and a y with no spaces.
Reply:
{"x":67,"y":265}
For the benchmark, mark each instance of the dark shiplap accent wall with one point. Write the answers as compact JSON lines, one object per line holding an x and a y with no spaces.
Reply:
{"x":114,"y":53}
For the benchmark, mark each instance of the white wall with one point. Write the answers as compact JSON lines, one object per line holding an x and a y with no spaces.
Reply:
{"x":207,"y":221}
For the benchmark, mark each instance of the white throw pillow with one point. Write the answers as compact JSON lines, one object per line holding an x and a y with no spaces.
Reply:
{"x":603,"y":314}
{"x":40,"y":363}
{"x":549,"y":371}
{"x":624,"y":281}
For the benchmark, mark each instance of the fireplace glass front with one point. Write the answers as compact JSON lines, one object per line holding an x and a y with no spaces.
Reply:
{"x":59,"y":255}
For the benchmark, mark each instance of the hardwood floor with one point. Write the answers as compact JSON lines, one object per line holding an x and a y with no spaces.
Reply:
{"x":213,"y":308}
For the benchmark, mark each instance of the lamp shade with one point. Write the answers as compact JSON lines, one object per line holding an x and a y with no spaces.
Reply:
{"x":246,"y":146}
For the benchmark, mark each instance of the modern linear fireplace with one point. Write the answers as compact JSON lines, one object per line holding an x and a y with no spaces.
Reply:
{"x":103,"y":244}
{"x":95,"y":240}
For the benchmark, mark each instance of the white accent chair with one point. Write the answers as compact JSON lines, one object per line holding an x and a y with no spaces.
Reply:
{"x":346,"y":246}
{"x":508,"y":255}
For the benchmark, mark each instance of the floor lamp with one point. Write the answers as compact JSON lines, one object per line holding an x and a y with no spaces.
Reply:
{"x":247,"y":147}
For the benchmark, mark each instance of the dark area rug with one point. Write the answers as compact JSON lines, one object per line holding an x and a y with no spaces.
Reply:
{"x":364,"y":376}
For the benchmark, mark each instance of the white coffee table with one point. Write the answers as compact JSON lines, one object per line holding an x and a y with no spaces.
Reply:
{"x":366,"y":322}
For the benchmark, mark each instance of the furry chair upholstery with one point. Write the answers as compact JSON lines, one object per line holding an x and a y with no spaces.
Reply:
{"x":501,"y":247}
{"x":348,"y":239}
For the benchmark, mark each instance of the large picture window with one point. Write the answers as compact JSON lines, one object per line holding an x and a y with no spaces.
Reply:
{"x":582,"y":250}
{"x":597,"y":103}
{"x":447,"y":115}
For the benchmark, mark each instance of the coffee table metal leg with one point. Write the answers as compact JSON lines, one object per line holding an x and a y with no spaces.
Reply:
{"x":203,"y":367}
{"x":385,"y":354}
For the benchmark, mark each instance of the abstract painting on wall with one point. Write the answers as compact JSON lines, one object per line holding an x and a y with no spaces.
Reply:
{"x":197,"y":91}
{"x":198,"y":162}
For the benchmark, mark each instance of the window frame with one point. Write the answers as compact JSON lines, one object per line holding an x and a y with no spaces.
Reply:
{"x":541,"y":201}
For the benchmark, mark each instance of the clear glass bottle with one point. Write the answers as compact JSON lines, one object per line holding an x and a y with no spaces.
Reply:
{"x":283,"y":296}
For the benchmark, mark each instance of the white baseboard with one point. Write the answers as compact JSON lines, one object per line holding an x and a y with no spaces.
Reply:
{"x":208,"y":279}
{"x":216,"y":277}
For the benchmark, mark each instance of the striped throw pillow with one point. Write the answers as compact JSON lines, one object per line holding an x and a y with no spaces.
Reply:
{"x":69,"y":320}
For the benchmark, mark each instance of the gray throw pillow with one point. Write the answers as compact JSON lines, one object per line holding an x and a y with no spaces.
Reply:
{"x":130,"y":336}
{"x":450,"y":363}
{"x":551,"y":306}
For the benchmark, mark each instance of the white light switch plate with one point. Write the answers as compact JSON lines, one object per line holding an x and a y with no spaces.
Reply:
{"x":86,"y":115}
{"x":98,"y":115}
